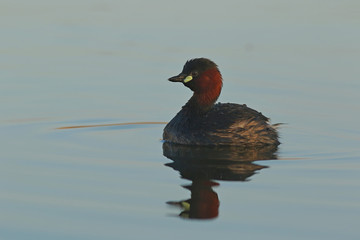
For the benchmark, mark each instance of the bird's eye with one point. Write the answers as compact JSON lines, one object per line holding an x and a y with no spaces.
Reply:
{"x":194,"y":74}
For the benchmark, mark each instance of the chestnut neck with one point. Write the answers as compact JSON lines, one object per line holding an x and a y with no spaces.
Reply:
{"x":206,"y":92}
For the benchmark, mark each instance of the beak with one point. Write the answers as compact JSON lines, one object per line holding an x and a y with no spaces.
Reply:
{"x":178,"y":78}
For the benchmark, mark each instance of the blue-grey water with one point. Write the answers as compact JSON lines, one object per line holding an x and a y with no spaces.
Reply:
{"x":71,"y":63}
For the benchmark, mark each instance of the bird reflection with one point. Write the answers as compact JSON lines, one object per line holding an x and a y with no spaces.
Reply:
{"x":203,"y":165}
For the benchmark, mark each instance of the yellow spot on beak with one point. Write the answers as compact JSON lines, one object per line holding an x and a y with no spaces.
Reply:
{"x":188,"y":79}
{"x":185,"y":205}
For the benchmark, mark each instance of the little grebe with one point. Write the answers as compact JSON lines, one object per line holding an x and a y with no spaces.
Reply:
{"x":201,"y":122}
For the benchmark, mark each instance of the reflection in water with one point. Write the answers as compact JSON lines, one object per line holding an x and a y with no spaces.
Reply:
{"x":204,"y":202}
{"x":202,"y":165}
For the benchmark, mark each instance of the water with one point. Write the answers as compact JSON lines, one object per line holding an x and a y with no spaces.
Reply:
{"x":106,"y":62}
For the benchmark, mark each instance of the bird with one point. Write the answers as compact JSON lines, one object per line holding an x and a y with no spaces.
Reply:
{"x":202,"y":122}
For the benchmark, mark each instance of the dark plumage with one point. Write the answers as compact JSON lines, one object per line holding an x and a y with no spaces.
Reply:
{"x":200,"y":122}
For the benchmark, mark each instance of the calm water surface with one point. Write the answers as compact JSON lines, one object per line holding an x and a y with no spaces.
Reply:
{"x":95,"y":62}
